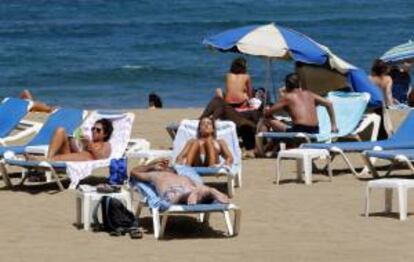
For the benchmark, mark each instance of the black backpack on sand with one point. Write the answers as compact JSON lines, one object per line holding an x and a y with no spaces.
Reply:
{"x":116,"y":218}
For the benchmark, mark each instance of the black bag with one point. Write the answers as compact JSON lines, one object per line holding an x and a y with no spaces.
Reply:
{"x":116,"y":218}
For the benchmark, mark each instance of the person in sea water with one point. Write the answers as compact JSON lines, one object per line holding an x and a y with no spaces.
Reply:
{"x":206,"y":149}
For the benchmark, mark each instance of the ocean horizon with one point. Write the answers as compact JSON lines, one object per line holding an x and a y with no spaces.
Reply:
{"x":112,"y":54}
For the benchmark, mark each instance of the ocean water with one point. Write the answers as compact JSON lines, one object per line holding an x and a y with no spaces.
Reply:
{"x":112,"y":54}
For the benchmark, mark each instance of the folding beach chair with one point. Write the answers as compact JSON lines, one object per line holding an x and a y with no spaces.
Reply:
{"x":63,"y":117}
{"x":78,"y":170}
{"x":12,"y":112}
{"x":401,"y":139}
{"x":161,"y":209}
{"x":349,"y":113}
{"x":226,"y":130}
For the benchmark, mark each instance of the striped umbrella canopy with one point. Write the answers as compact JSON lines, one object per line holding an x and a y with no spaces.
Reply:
{"x":400,"y":53}
{"x":277,"y":42}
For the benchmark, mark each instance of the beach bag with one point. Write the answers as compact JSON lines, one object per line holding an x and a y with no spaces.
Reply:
{"x":116,"y":218}
{"x":118,"y":171}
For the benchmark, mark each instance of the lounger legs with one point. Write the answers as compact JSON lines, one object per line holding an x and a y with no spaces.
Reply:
{"x":156,"y":222}
{"x":228,"y":223}
{"x":230,"y":185}
{"x":5,"y":175}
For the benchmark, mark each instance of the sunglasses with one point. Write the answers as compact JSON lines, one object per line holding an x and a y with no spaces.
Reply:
{"x":96,"y":129}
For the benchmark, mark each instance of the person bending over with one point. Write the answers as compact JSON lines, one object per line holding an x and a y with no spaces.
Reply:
{"x":174,"y":188}
{"x":65,"y":148}
{"x":301,"y":106}
{"x":206,"y":149}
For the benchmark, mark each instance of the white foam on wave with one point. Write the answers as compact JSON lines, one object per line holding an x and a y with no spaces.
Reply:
{"x":133,"y":67}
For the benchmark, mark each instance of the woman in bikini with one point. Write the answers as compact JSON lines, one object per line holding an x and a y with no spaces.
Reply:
{"x":64,"y":148}
{"x":205,"y":150}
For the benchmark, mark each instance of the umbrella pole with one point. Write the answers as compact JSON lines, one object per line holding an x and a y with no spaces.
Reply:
{"x":267,"y":79}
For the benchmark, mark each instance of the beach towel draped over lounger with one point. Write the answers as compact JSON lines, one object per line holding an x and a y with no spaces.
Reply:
{"x":226,"y":130}
{"x":78,"y":170}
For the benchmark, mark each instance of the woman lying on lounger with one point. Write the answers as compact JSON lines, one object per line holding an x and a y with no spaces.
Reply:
{"x":205,"y":150}
{"x":65,"y":148}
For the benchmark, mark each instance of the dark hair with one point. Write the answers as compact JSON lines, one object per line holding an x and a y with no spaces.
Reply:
{"x":292,"y":81}
{"x":107,"y":127}
{"x":239,"y":66}
{"x":213,"y":122}
{"x":380,"y":68}
{"x":154,"y":100}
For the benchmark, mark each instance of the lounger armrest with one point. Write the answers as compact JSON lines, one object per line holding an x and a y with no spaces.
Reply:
{"x":288,"y":135}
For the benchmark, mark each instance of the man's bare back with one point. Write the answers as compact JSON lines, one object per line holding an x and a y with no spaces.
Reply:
{"x":301,"y":106}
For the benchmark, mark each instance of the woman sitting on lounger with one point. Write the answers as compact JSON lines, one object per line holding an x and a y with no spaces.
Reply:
{"x":205,"y":150}
{"x":64,"y":148}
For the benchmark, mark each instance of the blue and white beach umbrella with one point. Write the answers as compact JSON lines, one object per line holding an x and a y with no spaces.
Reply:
{"x":399,"y":53}
{"x":278,"y":42}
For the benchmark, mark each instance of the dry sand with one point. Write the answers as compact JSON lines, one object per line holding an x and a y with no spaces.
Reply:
{"x":290,"y":222}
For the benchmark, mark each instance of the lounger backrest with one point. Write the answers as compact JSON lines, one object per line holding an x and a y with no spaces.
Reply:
{"x":67,"y":118}
{"x":12,"y":110}
{"x":349,"y":108}
{"x":122,"y":123}
{"x":406,"y":129}
{"x":226,"y":130}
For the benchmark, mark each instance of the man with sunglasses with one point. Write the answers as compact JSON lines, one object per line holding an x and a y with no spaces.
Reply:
{"x":63,"y":147}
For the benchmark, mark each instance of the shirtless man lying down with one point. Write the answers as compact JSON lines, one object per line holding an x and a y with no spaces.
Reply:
{"x":174,"y":188}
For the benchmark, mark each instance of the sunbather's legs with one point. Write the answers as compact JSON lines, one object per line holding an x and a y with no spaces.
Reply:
{"x":25,"y":94}
{"x":276,"y":125}
{"x":203,"y":194}
{"x":194,"y":154}
{"x":59,"y":144}
{"x":212,"y":156}
{"x":37,"y":106}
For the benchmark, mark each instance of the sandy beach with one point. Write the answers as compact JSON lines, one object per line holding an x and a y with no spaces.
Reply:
{"x":289,"y":222}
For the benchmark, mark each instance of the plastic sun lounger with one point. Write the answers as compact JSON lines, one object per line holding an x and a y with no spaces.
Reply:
{"x":63,"y":117}
{"x":161,"y":209}
{"x":12,"y":112}
{"x":349,"y":124}
{"x":78,"y":170}
{"x":401,"y":139}
{"x":226,"y":130}
{"x":396,"y":157}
